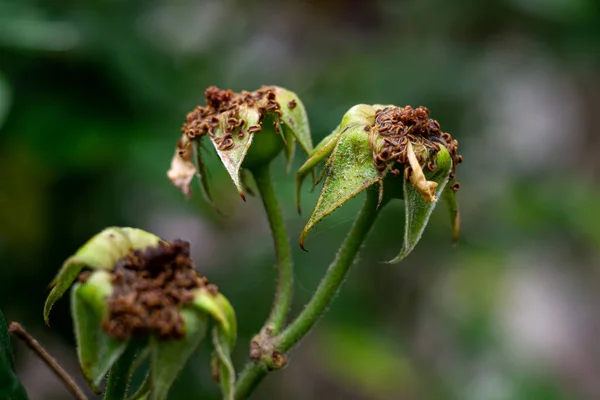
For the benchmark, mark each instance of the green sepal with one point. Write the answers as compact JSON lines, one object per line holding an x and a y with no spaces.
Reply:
{"x":218,"y":307}
{"x":417,"y":210}
{"x":360,"y":115}
{"x":144,"y":390}
{"x":10,"y":385}
{"x":233,"y":157}
{"x":224,"y":336}
{"x":351,"y":170}
{"x":168,"y":357}
{"x":221,"y":362}
{"x":100,"y":252}
{"x":449,"y":197}
{"x":96,"y":351}
{"x":294,"y":123}
{"x":323,"y":149}
{"x":201,"y":171}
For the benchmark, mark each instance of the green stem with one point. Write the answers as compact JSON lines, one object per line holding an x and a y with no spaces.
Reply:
{"x":249,"y":378}
{"x":283,"y":257}
{"x":255,"y":371}
{"x":120,"y":374}
{"x":333,"y":278}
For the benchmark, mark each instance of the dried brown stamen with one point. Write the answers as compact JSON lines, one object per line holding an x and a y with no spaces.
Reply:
{"x":397,"y":127}
{"x":149,"y":287}
{"x":203,"y":120}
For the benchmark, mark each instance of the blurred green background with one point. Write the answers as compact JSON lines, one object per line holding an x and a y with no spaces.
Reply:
{"x":92,"y":95}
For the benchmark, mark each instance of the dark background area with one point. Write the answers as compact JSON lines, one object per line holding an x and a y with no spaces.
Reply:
{"x":92,"y":95}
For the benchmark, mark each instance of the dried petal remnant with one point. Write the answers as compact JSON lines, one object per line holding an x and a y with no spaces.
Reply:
{"x":395,"y":127}
{"x":417,"y":177}
{"x":149,"y":286}
{"x":182,"y":169}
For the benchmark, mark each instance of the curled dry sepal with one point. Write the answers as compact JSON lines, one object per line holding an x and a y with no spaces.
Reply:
{"x":247,"y":129}
{"x":136,"y":292}
{"x":401,"y":151}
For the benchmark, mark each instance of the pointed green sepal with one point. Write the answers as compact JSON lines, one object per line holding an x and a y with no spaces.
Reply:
{"x":360,"y":115}
{"x":233,"y":147}
{"x":417,"y":209}
{"x":322,"y":150}
{"x":101,"y":252}
{"x":202,"y":172}
{"x":96,"y":351}
{"x":294,"y":122}
{"x":351,"y":170}
{"x":449,"y":196}
{"x":168,"y":358}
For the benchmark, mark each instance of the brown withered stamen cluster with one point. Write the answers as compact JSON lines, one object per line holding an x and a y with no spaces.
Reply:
{"x":397,"y":126}
{"x":149,"y":286}
{"x":223,"y":108}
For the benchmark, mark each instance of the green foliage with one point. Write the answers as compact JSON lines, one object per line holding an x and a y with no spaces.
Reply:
{"x":10,"y":385}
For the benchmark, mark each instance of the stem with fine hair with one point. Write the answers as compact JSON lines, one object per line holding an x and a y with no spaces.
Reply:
{"x":283,"y":257}
{"x":120,"y":374}
{"x":255,"y":371}
{"x":334,"y":277}
{"x":249,"y":378}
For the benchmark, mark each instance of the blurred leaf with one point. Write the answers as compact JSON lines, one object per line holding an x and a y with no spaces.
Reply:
{"x":417,"y":210}
{"x":5,"y":343}
{"x":365,"y":363}
{"x":23,"y":25}
{"x":5,"y":99}
{"x":97,"y":352}
{"x":102,"y":251}
{"x":10,"y":385}
{"x":169,"y":357}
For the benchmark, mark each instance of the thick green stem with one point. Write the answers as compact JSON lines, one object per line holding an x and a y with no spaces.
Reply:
{"x":283,"y":257}
{"x":333,"y":278}
{"x":120,"y":374}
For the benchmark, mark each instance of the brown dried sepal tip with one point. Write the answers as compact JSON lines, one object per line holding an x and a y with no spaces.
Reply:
{"x":395,"y":126}
{"x":223,"y":107}
{"x":149,"y":286}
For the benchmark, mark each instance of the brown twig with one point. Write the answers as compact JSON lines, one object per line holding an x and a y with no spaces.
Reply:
{"x":16,"y":329}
